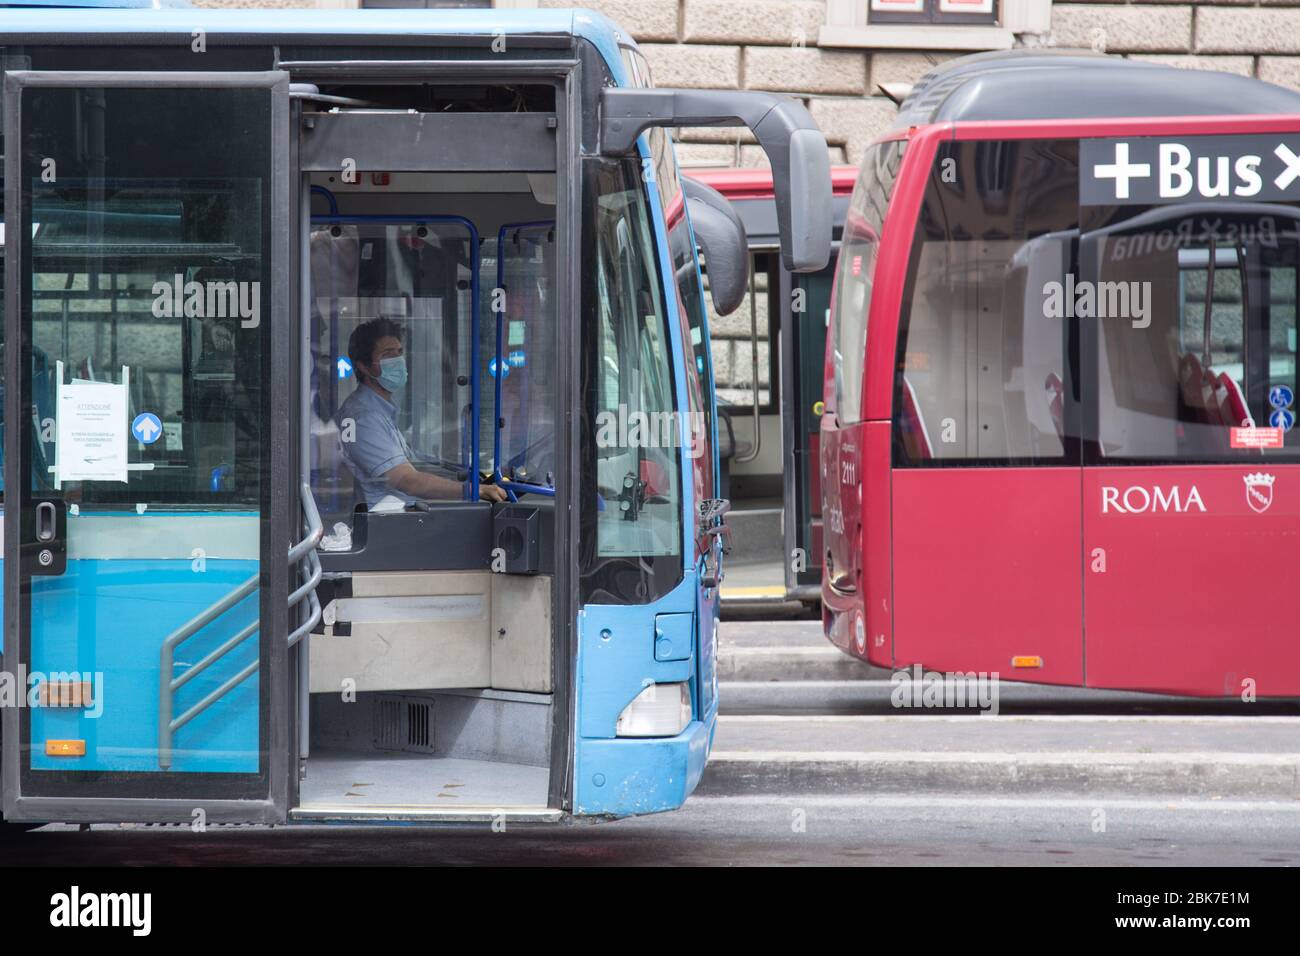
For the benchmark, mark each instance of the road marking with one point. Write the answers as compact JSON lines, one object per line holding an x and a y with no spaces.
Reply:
{"x":828,"y":651}
{"x":768,"y":625}
{"x":755,"y":590}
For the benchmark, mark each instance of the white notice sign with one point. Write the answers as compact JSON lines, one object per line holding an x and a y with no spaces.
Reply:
{"x":91,"y":432}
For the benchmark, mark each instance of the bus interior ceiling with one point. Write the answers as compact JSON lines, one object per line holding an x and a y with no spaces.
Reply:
{"x":450,"y":658}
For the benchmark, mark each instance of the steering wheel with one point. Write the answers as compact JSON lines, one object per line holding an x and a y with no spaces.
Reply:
{"x":515,"y":488}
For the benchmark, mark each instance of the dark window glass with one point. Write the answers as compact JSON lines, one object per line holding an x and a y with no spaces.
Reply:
{"x":1178,"y":325}
{"x":949,"y":12}
{"x":156,"y":283}
{"x":423,"y":4}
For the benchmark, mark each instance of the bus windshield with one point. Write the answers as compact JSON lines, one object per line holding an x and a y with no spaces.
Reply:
{"x":631,"y":469}
{"x":1038,"y":330}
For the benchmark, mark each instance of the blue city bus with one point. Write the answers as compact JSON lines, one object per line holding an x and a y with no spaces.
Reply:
{"x":359,"y":424}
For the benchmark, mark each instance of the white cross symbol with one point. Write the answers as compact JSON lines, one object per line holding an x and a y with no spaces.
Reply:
{"x":1121,"y":170}
{"x":1292,"y":171}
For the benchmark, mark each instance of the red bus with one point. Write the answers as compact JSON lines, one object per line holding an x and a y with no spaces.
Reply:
{"x":1060,"y":380}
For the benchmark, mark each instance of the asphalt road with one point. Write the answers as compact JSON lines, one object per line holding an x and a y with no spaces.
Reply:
{"x":918,"y":830}
{"x":955,"y":825}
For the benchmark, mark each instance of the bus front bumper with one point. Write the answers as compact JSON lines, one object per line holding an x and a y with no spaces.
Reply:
{"x":626,"y":776}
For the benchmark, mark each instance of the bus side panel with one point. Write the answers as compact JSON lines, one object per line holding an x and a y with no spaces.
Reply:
{"x":867,"y":529}
{"x":1190,"y":601}
{"x":841,"y":465}
{"x":986,"y":567}
{"x":111,"y":599}
{"x":877,"y":584}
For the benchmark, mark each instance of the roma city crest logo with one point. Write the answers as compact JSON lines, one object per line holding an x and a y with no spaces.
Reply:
{"x":1259,"y":491}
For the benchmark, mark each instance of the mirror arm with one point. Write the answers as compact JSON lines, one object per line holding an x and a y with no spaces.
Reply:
{"x":795,"y":147}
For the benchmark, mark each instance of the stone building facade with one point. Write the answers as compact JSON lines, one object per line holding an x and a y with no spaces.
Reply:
{"x":810,"y":48}
{"x":843,"y":66}
{"x":802,"y":47}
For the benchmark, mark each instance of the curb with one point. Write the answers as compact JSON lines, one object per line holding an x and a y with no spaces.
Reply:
{"x":792,"y":663}
{"x":1259,"y":776}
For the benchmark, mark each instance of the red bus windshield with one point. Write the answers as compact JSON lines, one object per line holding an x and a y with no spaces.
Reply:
{"x":1041,"y":329}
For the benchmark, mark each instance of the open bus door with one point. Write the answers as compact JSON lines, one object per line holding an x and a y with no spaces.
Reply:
{"x":798,"y":305}
{"x":149,"y":504}
{"x":805,"y":309}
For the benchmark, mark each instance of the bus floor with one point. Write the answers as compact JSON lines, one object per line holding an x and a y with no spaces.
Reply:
{"x":338,"y":781}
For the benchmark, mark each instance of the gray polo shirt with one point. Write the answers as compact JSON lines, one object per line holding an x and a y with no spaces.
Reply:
{"x":379,"y":445}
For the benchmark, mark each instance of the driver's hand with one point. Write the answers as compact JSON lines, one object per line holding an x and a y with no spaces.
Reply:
{"x":491,"y":493}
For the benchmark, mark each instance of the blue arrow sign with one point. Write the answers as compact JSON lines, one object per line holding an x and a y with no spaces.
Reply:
{"x":515,"y":358}
{"x":345,"y":367}
{"x":146,"y":428}
{"x":493,"y":366}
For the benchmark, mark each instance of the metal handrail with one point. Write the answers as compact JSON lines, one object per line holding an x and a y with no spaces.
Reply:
{"x":307,"y":590}
{"x":168,"y":685}
{"x":315,"y":528}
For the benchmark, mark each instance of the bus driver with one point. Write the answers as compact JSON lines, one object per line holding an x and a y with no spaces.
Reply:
{"x":373,"y":445}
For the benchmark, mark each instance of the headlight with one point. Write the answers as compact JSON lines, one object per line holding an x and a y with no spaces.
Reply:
{"x":660,"y":710}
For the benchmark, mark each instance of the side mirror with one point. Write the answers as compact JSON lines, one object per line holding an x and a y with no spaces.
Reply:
{"x":721,"y":235}
{"x":796,"y":148}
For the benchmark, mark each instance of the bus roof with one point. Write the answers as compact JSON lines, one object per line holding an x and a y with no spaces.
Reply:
{"x":267,"y":26}
{"x":117,"y":4}
{"x":1038,"y":84}
{"x":750,"y":192}
{"x":757,"y":183}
